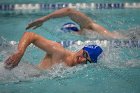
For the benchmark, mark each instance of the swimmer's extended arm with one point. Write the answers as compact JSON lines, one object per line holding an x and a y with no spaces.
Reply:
{"x":56,"y":14}
{"x":76,"y":16}
{"x":29,"y":37}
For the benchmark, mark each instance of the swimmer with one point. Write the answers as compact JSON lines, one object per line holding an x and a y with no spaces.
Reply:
{"x":55,"y":53}
{"x":81,"y":19}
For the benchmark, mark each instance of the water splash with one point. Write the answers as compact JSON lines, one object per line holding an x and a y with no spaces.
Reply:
{"x":62,"y":71}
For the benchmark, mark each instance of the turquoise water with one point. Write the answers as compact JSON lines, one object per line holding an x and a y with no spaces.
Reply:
{"x":117,"y":72}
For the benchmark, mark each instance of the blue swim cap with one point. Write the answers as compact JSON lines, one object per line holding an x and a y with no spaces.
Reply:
{"x":93,"y":51}
{"x":67,"y":27}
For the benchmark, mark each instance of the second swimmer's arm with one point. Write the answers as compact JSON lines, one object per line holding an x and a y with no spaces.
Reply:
{"x":56,"y":14}
{"x":76,"y":16}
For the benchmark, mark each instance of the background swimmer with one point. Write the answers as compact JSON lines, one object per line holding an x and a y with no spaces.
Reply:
{"x":81,"y":19}
{"x":55,"y":53}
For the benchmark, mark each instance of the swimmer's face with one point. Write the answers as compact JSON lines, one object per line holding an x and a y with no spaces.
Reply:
{"x":82,"y":57}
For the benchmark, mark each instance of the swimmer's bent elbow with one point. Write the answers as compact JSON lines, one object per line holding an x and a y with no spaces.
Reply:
{"x":31,"y":36}
{"x":69,"y":10}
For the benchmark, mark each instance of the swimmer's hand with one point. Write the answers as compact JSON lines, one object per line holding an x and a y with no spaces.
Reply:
{"x":12,"y":61}
{"x":35,"y":24}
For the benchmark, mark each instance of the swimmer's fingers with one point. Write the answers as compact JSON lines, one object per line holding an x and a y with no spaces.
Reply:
{"x":10,"y":63}
{"x":37,"y":26}
{"x":30,"y":26}
{"x":8,"y":67}
{"x":33,"y":26}
{"x":27,"y":27}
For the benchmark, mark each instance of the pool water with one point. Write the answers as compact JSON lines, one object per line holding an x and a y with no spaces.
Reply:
{"x":118,"y":71}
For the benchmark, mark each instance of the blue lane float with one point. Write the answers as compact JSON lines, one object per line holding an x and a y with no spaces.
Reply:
{"x":110,"y":6}
{"x":105,"y":43}
{"x":52,"y":6}
{"x":6,"y":7}
{"x":42,"y":6}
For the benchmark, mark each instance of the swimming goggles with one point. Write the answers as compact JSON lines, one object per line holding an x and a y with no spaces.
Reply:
{"x":85,"y":55}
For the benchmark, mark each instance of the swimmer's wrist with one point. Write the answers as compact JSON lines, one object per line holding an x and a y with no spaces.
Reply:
{"x":45,"y":18}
